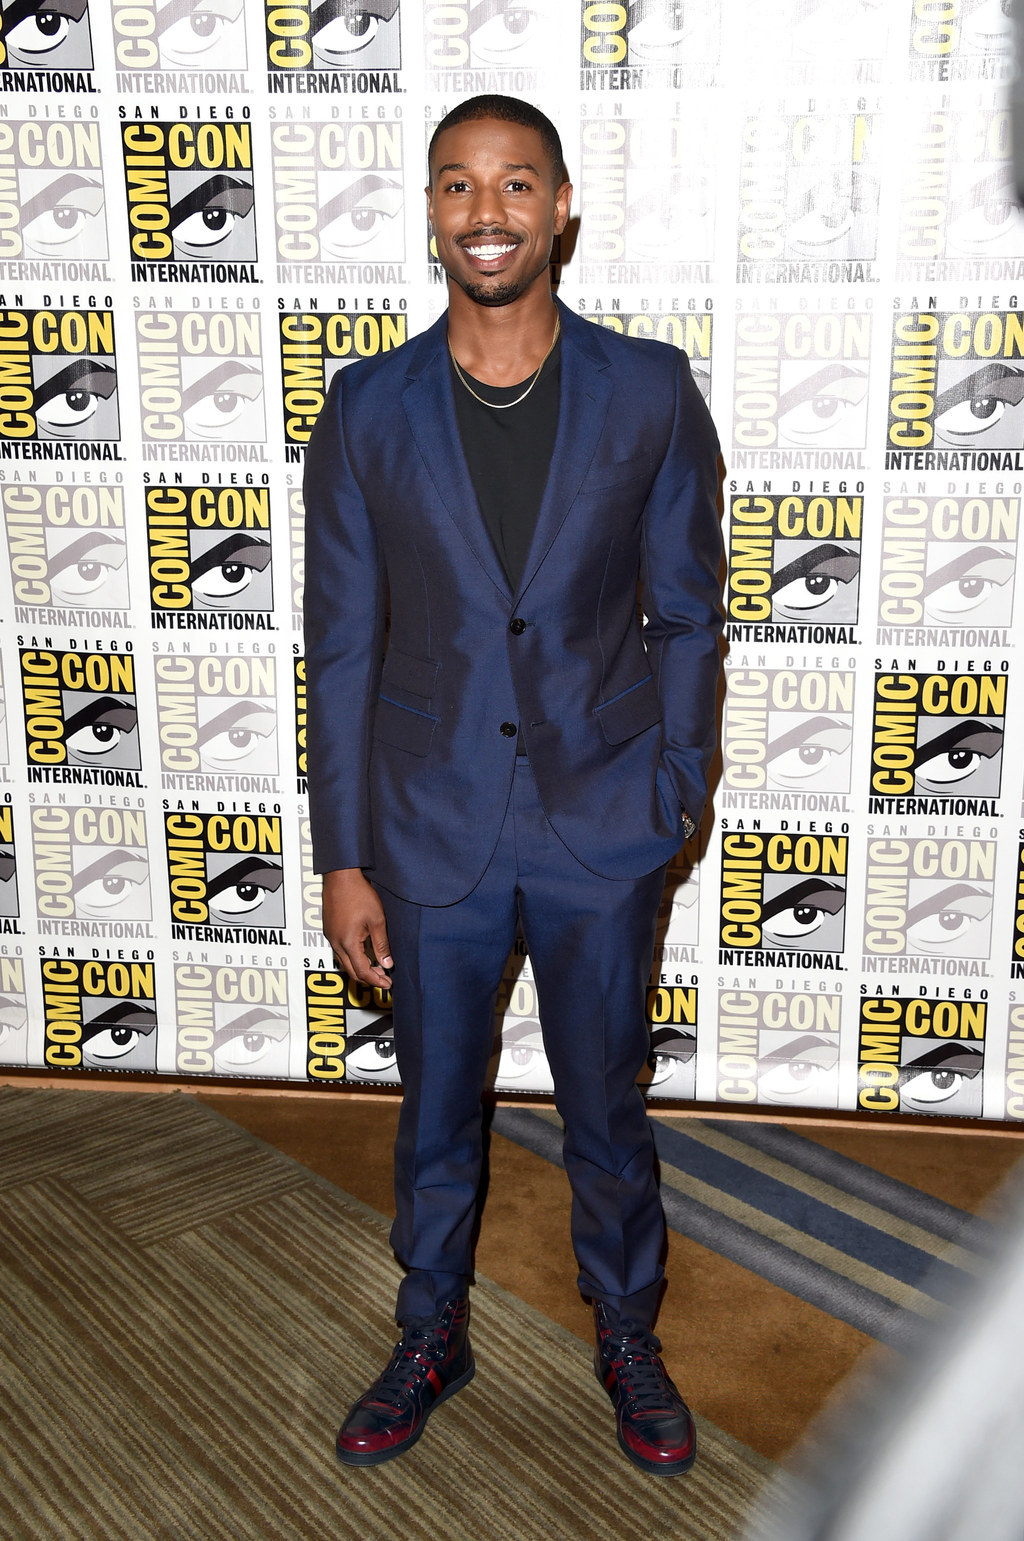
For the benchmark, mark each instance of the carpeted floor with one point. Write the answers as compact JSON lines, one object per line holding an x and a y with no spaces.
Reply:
{"x":187,"y":1312}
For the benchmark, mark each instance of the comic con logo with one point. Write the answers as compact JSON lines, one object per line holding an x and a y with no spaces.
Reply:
{"x":482,"y":34}
{"x":960,"y":40}
{"x":937,"y":742}
{"x":314,"y":347}
{"x":657,"y":36}
{"x":200,"y":377}
{"x":802,"y":383}
{"x":80,"y":714}
{"x":67,"y":553}
{"x":48,"y":37}
{"x":794,"y":567}
{"x":8,"y":871}
{"x":210,"y":557}
{"x":788,"y":730}
{"x":349,"y":1036}
{"x":778,"y":1047}
{"x":58,"y":375}
{"x":91,"y":870}
{"x":51,"y":197}
{"x":783,"y":894}
{"x":13,"y":1012}
{"x":186,"y":35}
{"x":217,"y":718}
{"x":299,"y":681}
{"x":948,"y":571}
{"x":338,"y":193}
{"x":918,"y":1055}
{"x":99,"y":1015}
{"x":958,"y":198}
{"x":231,"y":1021}
{"x":956,"y":392}
{"x":333,"y":35}
{"x":688,"y":332}
{"x":190,"y":201}
{"x":929,"y":900}
{"x":809,"y":189}
{"x":646,"y":192}
{"x":225,"y":877}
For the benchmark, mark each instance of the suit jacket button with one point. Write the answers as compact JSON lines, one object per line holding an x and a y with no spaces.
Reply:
{"x":517,"y":627}
{"x":509,"y":729}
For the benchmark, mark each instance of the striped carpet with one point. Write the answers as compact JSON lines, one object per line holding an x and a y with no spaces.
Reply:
{"x":873,"y":1252}
{"x":186,"y":1312}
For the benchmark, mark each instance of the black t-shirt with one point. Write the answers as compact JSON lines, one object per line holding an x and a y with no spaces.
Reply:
{"x":509,"y":455}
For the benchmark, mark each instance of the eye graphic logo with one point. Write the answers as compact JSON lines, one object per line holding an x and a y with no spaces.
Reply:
{"x":794,"y":567}
{"x":200,"y":377}
{"x":13,"y":1012}
{"x":783,"y":894}
{"x":80,"y":716}
{"x":948,"y":571}
{"x":691,"y":333}
{"x":68,"y":558}
{"x":489,"y":34}
{"x":184,"y":35}
{"x":51,"y":197}
{"x":231,"y":1021}
{"x":48,"y":36}
{"x":672,"y":1063}
{"x":788,"y":731}
{"x":658,"y":42}
{"x":314,"y":347}
{"x":961,"y":40}
{"x":99,"y":1015}
{"x":190,"y":201}
{"x":801,"y":381}
{"x":645,"y":198}
{"x":809,"y":189}
{"x":60,"y":375}
{"x":928,"y":899}
{"x":338,"y":193}
{"x":226,"y":877}
{"x":937,"y":743}
{"x":922,"y":1056}
{"x":218,"y":722}
{"x":778,"y":1048}
{"x":333,"y":35}
{"x":91,"y":871}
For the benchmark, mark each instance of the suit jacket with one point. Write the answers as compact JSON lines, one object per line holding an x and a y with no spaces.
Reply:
{"x":411,"y":740}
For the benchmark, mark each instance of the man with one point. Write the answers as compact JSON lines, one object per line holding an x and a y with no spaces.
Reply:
{"x":521,"y":754}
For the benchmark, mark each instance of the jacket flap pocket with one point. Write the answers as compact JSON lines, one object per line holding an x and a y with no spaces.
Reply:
{"x":404,"y":671}
{"x":615,"y":473}
{"x":630,"y":713}
{"x":402,"y":727}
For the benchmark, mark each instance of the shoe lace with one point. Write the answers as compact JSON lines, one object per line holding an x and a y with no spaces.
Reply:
{"x":409,"y":1365}
{"x":640,"y":1372}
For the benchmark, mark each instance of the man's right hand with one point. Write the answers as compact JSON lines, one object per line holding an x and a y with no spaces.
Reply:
{"x":353,"y":921}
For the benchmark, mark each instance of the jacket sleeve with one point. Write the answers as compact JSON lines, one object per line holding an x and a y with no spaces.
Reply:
{"x":681,"y":564}
{"x":343,"y":623}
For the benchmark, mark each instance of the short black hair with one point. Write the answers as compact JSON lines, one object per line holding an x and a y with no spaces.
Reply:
{"x":507,"y":109}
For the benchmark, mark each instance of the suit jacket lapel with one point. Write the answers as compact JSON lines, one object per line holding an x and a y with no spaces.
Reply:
{"x":430,"y":410}
{"x":583,"y":400}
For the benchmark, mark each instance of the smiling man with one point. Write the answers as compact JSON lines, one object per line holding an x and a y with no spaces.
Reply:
{"x":524,"y":755}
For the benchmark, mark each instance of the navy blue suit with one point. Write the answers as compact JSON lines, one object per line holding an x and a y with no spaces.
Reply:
{"x":412,"y":751}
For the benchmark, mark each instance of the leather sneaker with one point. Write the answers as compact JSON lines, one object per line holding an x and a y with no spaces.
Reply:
{"x":654,"y":1423}
{"x":431,"y":1361}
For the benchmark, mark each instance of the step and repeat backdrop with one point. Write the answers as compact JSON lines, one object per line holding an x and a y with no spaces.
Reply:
{"x":208,"y":207}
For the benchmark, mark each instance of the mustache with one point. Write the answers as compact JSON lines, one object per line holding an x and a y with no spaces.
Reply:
{"x":491,"y":231}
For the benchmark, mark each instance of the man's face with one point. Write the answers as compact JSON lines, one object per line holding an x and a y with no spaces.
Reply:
{"x":495,"y":208}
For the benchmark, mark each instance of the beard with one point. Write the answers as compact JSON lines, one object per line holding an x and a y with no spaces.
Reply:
{"x":500,"y":293}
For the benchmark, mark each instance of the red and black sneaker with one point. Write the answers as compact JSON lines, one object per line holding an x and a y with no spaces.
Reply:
{"x":432,"y":1361}
{"x":655,"y":1425}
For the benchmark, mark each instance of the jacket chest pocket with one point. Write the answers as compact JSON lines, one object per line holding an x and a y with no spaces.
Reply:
{"x":403,"y":717}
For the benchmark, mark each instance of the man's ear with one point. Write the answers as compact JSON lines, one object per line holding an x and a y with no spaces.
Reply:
{"x":563,"y":205}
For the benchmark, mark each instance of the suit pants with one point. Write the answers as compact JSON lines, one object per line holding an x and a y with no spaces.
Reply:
{"x":591,"y":942}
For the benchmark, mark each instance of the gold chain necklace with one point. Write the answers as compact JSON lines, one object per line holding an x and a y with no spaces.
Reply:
{"x":500,"y":406}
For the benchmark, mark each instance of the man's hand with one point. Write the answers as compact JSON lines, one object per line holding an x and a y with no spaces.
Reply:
{"x":354,"y":925}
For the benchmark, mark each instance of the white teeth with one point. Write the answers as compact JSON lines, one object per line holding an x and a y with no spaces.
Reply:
{"x":488,"y":251}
